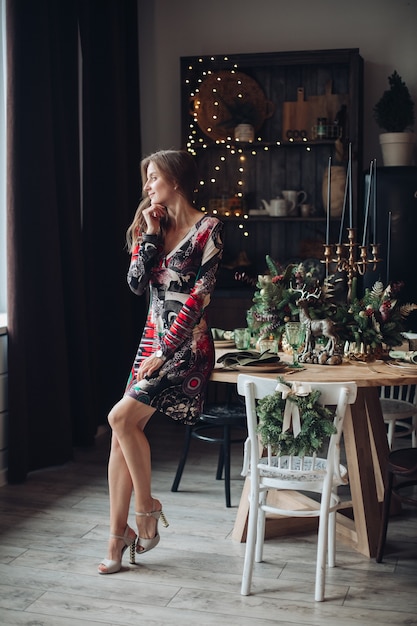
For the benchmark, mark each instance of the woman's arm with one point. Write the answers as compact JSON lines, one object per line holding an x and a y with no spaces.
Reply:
{"x":142,"y":261}
{"x":145,"y":254}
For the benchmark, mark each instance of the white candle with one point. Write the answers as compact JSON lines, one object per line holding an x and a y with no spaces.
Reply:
{"x":374,"y":202}
{"x":328,"y":201}
{"x":350,"y":187}
{"x":342,"y":221}
{"x":368,"y":197}
{"x":388,"y":245}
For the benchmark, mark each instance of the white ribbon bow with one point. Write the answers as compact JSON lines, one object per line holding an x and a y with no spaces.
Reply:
{"x":291,"y":411}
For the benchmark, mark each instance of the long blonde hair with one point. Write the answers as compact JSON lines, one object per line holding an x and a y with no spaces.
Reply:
{"x":176,"y":166}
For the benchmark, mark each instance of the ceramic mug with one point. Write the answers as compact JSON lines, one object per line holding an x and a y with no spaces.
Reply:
{"x":295,"y":198}
{"x":279,"y":207}
{"x":412,"y":341}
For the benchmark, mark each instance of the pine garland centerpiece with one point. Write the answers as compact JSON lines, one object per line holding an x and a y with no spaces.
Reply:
{"x":316,"y":422}
{"x":274,"y":301}
{"x":378,"y":318}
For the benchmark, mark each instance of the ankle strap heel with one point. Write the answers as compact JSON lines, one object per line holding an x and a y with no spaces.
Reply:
{"x":143,"y":544}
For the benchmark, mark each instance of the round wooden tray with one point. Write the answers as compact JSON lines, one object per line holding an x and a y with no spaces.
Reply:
{"x":220,"y":90}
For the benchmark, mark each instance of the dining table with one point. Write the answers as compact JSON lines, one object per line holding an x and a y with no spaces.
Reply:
{"x":364,"y":439}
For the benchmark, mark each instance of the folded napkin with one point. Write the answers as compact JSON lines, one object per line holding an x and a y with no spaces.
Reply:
{"x":400,"y":355}
{"x":248,"y":358}
{"x":221,"y":335}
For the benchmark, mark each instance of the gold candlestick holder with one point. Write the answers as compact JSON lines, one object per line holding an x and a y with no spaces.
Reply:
{"x":343,"y":257}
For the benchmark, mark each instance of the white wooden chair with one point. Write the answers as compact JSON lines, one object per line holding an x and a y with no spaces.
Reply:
{"x":307,"y":474}
{"x":399,"y":409}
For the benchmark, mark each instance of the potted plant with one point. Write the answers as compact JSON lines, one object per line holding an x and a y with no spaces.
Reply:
{"x":394,"y":114}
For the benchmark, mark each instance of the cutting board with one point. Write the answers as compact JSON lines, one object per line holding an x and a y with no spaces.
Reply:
{"x":302,"y":115}
{"x":296,"y":115}
{"x":326,"y":105}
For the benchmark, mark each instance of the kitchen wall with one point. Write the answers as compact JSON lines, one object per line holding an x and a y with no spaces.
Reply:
{"x":383,"y":30}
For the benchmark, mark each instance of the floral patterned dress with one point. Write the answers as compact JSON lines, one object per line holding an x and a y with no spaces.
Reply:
{"x":180,"y":285}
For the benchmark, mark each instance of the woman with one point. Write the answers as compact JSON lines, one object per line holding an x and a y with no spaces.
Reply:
{"x":175,"y":252}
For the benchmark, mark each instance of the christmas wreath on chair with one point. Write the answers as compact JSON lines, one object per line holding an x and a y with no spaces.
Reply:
{"x":292,"y":421}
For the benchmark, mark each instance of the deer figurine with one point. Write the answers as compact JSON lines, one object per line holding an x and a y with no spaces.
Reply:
{"x":315,"y":328}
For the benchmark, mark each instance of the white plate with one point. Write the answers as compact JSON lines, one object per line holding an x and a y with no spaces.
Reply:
{"x":224,"y":343}
{"x":403,"y":365}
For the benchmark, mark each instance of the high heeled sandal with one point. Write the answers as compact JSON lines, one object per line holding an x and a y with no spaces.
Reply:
{"x":144,"y":545}
{"x":114,"y":566}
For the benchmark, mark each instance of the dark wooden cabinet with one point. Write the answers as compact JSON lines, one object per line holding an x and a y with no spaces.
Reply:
{"x":287,"y":89}
{"x":396,"y":229}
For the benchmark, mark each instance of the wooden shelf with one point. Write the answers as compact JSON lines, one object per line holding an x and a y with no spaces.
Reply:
{"x":250,"y":145}
{"x":271,"y":218}
{"x":263,"y":168}
{"x":277,"y":163}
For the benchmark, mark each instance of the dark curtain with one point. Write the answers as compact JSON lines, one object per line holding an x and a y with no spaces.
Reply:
{"x":73,"y":185}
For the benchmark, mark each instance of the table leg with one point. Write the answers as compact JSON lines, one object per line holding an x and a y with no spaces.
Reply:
{"x":241,"y":521}
{"x":379,"y":440}
{"x":359,"y":432}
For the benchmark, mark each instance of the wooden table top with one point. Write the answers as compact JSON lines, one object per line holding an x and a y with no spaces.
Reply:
{"x":371,"y":374}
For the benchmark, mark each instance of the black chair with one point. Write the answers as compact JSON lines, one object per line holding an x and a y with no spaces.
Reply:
{"x":216,"y":425}
{"x":401,"y":475}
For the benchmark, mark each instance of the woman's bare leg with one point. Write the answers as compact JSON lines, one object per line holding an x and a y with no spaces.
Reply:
{"x":120,"y":492}
{"x":128,"y":419}
{"x":120,"y":488}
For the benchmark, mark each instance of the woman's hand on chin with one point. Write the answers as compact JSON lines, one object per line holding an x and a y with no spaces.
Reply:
{"x":153,"y":216}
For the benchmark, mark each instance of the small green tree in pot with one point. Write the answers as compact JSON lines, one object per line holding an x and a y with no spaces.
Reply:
{"x":394,"y":113}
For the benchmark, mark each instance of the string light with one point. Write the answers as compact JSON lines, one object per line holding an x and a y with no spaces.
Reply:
{"x":230,"y":155}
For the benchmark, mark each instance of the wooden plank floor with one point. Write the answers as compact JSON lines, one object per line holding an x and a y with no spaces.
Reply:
{"x":54,"y":528}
